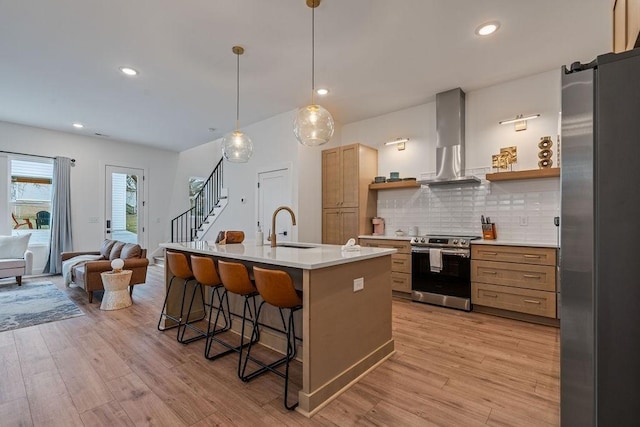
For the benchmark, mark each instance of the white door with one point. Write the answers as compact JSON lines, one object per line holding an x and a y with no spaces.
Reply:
{"x":124,"y":202}
{"x":274,"y":190}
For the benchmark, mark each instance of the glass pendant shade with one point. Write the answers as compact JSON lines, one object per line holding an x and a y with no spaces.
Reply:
{"x":237,"y":147}
{"x":313,"y":125}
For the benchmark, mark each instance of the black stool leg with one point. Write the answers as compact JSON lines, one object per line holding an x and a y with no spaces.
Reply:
{"x":255,"y":333}
{"x":291,"y":351}
{"x":211,"y":334}
{"x":187,"y":324}
{"x":163,"y":314}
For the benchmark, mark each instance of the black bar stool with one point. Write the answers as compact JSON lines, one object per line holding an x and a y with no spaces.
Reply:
{"x":179,"y":267}
{"x":235,"y":279}
{"x":205,"y":272}
{"x":276,"y":288}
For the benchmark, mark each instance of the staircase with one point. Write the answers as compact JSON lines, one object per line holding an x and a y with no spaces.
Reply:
{"x":194,"y":223}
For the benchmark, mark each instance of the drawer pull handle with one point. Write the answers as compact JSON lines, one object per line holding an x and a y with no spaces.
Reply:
{"x":490,"y":295}
{"x":490,"y":272}
{"x":398,"y":262}
{"x":531,"y":276}
{"x":530,"y":301}
{"x":531,"y":256}
{"x":491,"y":253}
{"x":398,"y":281}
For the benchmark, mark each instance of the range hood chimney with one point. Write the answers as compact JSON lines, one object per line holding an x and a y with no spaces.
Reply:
{"x":450,"y":116}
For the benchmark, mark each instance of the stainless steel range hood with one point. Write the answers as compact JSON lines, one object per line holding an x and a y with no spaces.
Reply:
{"x":450,"y":107}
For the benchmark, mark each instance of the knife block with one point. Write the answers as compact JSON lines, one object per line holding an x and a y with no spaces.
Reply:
{"x":489,"y":231}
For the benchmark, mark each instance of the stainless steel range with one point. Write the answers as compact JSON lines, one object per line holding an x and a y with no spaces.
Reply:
{"x":441,"y":270}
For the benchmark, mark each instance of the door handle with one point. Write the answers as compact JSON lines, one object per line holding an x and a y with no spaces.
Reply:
{"x":531,"y":276}
{"x":108,"y":230}
{"x":531,"y":256}
{"x":530,"y":301}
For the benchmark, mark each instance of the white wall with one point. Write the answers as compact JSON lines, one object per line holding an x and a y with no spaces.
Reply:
{"x":457,"y":209}
{"x":274,"y":145}
{"x":87,"y":177}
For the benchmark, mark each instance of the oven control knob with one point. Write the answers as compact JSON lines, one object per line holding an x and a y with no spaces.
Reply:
{"x":463,"y":242}
{"x":455,"y":241}
{"x":422,"y":240}
{"x":414,"y":240}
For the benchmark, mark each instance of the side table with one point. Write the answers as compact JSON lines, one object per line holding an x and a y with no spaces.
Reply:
{"x":116,"y":295}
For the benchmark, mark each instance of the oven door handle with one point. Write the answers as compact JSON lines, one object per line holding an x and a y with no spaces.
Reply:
{"x":455,"y":252}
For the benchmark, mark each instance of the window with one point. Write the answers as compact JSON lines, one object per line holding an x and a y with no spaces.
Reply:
{"x":30,"y":198}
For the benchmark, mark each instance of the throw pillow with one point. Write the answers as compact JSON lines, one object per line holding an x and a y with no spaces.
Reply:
{"x":116,"y":250}
{"x":105,"y":250}
{"x":12,"y":247}
{"x":130,"y":250}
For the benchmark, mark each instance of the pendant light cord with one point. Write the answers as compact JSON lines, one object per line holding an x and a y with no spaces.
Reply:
{"x":313,"y":54}
{"x":237,"y":91}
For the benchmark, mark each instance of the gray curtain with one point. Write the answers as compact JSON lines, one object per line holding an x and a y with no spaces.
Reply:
{"x":61,"y":240}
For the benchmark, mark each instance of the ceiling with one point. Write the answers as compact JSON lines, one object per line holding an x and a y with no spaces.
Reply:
{"x":59,"y":59}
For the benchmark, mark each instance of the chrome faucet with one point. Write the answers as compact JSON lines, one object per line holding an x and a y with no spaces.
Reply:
{"x":273,"y":223}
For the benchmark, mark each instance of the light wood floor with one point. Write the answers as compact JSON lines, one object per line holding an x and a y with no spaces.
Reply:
{"x":114,"y":368}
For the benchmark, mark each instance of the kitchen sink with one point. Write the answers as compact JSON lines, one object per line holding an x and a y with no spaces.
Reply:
{"x":296,"y":245}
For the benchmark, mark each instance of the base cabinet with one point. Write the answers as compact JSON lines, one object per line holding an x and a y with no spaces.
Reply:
{"x":400,"y":264}
{"x":515,"y":281}
{"x":339,"y":225}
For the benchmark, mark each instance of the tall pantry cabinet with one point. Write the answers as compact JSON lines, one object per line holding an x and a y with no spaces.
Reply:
{"x":347,"y":203}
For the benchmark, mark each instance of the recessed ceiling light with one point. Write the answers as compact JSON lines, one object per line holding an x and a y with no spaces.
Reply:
{"x":322,"y":91}
{"x":487,"y":28}
{"x":129,"y":71}
{"x":78,"y":125}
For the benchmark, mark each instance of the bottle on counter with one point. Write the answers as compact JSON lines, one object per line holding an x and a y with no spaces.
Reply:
{"x":259,"y":237}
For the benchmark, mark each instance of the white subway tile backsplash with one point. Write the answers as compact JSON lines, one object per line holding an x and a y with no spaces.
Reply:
{"x":457,"y":209}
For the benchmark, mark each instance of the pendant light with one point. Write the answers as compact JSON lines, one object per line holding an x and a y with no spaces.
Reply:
{"x":313,"y":124}
{"x":237,"y":146}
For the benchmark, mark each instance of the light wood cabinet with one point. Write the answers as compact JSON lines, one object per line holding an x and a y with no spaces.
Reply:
{"x":339,"y":225}
{"x":514,"y":281}
{"x":626,"y":25}
{"x":347,"y":203}
{"x":400,"y":263}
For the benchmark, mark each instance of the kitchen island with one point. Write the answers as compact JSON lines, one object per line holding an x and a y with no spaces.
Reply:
{"x":345,"y":332}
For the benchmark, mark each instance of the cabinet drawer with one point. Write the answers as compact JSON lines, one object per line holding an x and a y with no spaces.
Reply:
{"x":403,"y":247}
{"x":401,"y":263}
{"x":527,"y":276}
{"x":520,"y":254}
{"x":400,"y":282}
{"x":528,"y":301}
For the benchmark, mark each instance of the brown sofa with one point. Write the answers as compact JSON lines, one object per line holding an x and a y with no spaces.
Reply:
{"x":86,"y":274}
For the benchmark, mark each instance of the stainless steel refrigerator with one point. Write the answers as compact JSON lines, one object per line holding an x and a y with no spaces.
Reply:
{"x":600,"y":236}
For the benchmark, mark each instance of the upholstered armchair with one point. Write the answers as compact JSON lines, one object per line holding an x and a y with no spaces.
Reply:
{"x":84,"y":268}
{"x":15,"y":260}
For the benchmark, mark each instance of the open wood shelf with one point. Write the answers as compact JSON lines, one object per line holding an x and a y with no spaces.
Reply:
{"x":530,"y":174}
{"x":394,"y":185}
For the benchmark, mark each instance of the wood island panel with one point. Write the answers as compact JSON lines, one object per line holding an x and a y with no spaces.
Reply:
{"x":346,"y":333}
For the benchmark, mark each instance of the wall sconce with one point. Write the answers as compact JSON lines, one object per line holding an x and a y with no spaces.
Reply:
{"x":399,"y":142}
{"x":520,"y":122}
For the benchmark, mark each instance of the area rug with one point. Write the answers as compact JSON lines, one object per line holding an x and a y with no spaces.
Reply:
{"x":32,"y":304}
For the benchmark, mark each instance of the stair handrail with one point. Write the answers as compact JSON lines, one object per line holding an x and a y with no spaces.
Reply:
{"x":185,"y":226}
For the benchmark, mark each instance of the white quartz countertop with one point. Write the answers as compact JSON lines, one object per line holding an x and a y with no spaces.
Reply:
{"x":513,"y":243}
{"x":386,"y":237}
{"x":308,"y":258}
